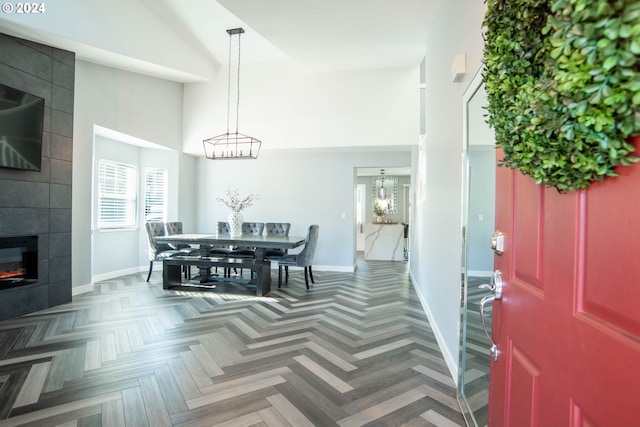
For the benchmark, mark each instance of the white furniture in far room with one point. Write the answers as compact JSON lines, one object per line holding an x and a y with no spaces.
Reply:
{"x":384,"y":242}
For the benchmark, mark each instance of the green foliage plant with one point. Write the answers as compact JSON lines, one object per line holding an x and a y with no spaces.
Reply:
{"x":378,"y":210}
{"x":563,"y":86}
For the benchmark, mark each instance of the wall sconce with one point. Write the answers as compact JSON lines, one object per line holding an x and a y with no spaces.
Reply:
{"x":459,"y":67}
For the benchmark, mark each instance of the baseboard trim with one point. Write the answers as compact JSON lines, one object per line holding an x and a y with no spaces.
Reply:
{"x":479,"y":273}
{"x":452,"y":363}
{"x":113,"y":274}
{"x":82,"y":289}
{"x":338,"y":268}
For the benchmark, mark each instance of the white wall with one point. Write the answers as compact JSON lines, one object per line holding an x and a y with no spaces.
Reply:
{"x":482,"y":183}
{"x":302,"y":187}
{"x":436,"y":242}
{"x":288,"y":107}
{"x":105,"y":257}
{"x":143,"y":107}
{"x":482,"y":202}
{"x":482,"y":134}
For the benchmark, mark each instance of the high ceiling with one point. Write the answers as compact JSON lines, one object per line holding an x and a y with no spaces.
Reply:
{"x":186,"y":40}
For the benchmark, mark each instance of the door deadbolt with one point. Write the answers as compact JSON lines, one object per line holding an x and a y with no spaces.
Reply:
{"x":497,"y":242}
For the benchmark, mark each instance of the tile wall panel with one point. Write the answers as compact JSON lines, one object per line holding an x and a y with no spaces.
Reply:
{"x":60,"y":220}
{"x":60,"y":268}
{"x":61,"y":147}
{"x":39,"y":203}
{"x":60,"y":171}
{"x":24,"y":194}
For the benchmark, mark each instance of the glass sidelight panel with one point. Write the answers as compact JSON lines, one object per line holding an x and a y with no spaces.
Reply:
{"x":477,"y":258}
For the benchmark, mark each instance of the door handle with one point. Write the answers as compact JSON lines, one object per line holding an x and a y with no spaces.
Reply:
{"x":496,"y":293}
{"x":496,"y":284}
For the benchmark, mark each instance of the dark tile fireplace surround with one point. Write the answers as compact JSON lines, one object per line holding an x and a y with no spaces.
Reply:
{"x":35,"y":207}
{"x":18,"y":261}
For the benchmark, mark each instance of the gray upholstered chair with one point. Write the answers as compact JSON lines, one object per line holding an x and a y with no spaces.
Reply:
{"x":175,"y":227}
{"x":250,"y":228}
{"x":302,"y":259}
{"x":221,"y":251}
{"x":158,"y":251}
{"x":223,"y":227}
{"x":276,"y":229}
{"x":253,"y":228}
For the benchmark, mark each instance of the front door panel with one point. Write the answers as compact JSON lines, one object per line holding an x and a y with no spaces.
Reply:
{"x":568,"y":324}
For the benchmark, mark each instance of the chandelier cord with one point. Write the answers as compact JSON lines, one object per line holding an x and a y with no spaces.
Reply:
{"x":229,"y":84}
{"x":238,"y":84}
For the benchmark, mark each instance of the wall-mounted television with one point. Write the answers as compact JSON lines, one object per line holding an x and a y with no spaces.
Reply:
{"x":21,"y":123}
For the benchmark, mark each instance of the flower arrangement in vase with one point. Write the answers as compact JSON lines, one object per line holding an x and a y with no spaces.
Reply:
{"x":379,"y":211}
{"x":237,"y":204}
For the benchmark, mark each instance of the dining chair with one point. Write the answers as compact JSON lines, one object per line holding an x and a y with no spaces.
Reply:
{"x":276,"y":229}
{"x":302,"y":259}
{"x":221,"y":251}
{"x":158,"y":251}
{"x":248,"y":228}
{"x":175,"y":227}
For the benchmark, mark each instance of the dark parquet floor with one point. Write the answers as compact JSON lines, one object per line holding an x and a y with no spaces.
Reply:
{"x":355,"y":350}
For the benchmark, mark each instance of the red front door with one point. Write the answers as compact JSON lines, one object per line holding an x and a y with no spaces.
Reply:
{"x":568,"y":324}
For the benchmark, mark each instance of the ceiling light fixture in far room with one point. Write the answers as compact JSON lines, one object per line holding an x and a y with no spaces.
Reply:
{"x":232,"y":145}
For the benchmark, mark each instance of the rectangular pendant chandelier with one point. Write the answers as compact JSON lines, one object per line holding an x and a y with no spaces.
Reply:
{"x":229,"y":146}
{"x":232,"y":145}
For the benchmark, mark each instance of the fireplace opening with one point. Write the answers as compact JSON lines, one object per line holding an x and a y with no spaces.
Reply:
{"x":18,"y":260}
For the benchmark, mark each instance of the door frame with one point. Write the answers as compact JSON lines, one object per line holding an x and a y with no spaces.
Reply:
{"x":467,"y":410}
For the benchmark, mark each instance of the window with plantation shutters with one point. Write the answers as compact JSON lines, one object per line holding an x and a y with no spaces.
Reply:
{"x":155,"y":194}
{"x":116,"y":195}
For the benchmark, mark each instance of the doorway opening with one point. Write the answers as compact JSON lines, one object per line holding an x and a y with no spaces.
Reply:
{"x":396,"y":182}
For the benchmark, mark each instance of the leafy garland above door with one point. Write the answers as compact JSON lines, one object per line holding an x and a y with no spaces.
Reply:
{"x":563,"y":85}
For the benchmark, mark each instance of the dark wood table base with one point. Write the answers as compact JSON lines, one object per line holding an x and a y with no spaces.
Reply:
{"x":172,"y":272}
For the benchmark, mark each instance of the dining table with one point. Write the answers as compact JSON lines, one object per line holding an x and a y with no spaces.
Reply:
{"x":206,"y":242}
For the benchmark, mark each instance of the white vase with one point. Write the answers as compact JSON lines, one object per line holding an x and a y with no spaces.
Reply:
{"x":235,"y":223}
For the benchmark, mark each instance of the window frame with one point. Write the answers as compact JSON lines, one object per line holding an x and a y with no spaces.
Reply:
{"x":146,"y":208}
{"x":129,"y":195}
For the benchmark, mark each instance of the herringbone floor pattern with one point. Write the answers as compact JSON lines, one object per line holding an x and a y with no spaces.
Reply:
{"x":477,"y":355}
{"x":355,"y":350}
